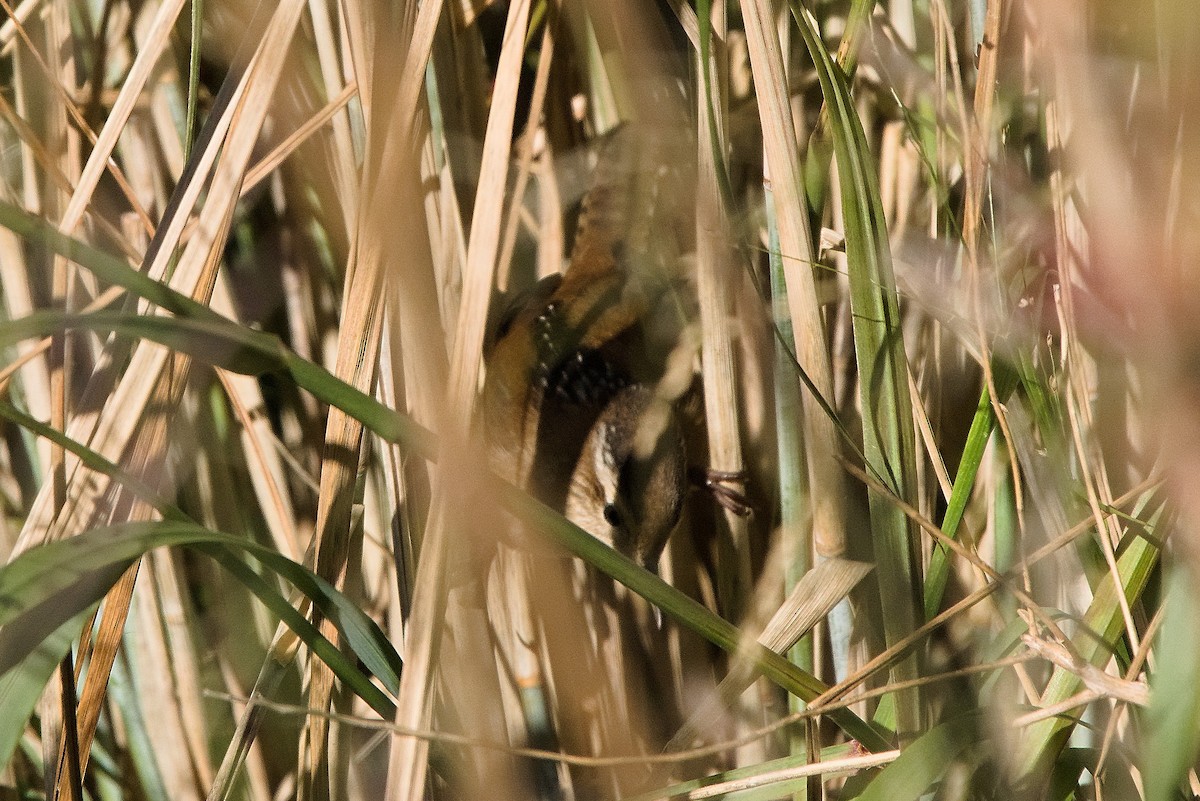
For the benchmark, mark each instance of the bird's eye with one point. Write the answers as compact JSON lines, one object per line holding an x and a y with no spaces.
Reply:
{"x":612,"y":515}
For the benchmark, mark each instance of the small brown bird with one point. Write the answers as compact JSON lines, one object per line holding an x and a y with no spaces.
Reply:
{"x":569,"y":403}
{"x":573,"y":414}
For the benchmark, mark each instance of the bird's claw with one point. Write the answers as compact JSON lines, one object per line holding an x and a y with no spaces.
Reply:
{"x":729,"y":497}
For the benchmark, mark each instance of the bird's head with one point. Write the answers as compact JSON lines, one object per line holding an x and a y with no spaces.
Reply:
{"x":628,"y":486}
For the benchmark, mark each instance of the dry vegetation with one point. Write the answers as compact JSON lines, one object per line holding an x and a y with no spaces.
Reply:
{"x":930,"y":313}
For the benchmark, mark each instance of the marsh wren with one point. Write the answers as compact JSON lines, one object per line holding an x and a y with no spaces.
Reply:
{"x":569,"y":405}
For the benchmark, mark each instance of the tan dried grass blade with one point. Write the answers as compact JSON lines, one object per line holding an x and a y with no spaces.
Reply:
{"x":356,"y":363}
{"x":358,"y":352}
{"x":409,"y":756}
{"x":713,"y":286}
{"x":164,"y":684}
{"x":813,"y":597}
{"x":784,"y":177}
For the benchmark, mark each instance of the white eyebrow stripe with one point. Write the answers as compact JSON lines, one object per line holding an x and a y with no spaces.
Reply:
{"x":603,"y":461}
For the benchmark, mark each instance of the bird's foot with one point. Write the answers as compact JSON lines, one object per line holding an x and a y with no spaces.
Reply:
{"x":727,"y":488}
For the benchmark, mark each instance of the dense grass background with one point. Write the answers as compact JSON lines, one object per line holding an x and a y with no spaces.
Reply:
{"x":936,"y":286}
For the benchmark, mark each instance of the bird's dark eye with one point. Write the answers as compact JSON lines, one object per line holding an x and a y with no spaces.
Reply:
{"x":612,"y":515}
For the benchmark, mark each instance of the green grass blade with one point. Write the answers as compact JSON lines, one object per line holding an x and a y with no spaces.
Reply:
{"x":820,"y":145}
{"x":1045,"y":739}
{"x":48,"y":585}
{"x":888,"y":435}
{"x":982,"y":426}
{"x":684,"y":609}
{"x":924,"y":762}
{"x":1173,"y":738}
{"x":22,"y":686}
{"x":362,"y":635}
{"x":225,"y":344}
{"x":103,"y":265}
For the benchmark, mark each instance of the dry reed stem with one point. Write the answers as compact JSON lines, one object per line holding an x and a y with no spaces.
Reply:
{"x":831,"y":767}
{"x":357,"y":355}
{"x":783,"y":172}
{"x":524,"y":160}
{"x":336,"y":84}
{"x":407,"y":757}
{"x":466,"y":354}
{"x":159,"y":689}
{"x":714,"y":283}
